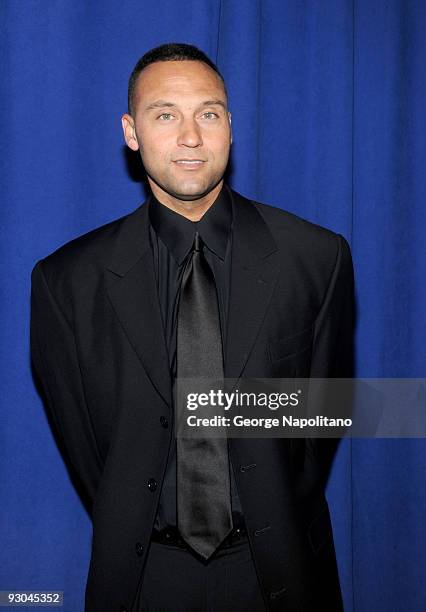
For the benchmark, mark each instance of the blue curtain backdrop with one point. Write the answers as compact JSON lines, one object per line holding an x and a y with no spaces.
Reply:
{"x":328,"y":102}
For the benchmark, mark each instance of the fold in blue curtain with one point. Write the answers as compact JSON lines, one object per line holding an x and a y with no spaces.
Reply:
{"x":328,"y":106}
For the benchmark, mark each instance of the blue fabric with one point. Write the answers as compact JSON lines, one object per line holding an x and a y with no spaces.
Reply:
{"x":328,"y":106}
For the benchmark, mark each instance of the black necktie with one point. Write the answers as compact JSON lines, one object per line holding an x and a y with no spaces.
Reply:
{"x":204,"y":513}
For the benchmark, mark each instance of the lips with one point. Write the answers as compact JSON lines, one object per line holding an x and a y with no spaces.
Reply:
{"x":189,"y":161}
{"x":189,"y":164}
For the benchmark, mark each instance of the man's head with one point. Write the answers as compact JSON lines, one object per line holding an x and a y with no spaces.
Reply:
{"x":179,"y":121}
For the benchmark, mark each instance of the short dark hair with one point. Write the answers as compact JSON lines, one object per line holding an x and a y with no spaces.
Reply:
{"x":169,"y":52}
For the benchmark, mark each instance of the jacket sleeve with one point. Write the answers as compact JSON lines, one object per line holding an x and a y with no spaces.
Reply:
{"x":333,"y":331}
{"x":55,"y":362}
{"x":333,"y":342}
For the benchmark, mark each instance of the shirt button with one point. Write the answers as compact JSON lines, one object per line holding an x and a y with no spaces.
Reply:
{"x":139,"y":549}
{"x":152,"y":484}
{"x":164,"y":422}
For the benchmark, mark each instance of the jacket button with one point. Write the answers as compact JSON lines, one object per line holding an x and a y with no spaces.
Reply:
{"x":245,"y":468}
{"x":152,"y":484}
{"x":164,"y":422}
{"x":276,"y":594}
{"x":139,"y":549}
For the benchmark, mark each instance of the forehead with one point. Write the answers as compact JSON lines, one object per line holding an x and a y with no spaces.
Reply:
{"x":177,"y":79}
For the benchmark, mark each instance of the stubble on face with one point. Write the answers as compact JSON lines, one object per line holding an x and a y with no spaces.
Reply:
{"x":183,"y":133}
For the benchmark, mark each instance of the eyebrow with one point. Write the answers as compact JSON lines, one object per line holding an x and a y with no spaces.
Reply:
{"x":165,"y":104}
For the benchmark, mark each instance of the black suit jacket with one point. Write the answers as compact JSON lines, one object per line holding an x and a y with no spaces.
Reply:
{"x":99,"y":351}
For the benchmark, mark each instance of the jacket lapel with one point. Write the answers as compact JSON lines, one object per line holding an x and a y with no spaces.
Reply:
{"x":132,"y":290}
{"x":254,"y":272}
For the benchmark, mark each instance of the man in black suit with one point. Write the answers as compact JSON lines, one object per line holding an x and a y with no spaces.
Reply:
{"x":196,"y":279}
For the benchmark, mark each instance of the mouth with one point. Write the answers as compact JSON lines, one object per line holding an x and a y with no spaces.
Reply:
{"x":189,"y":164}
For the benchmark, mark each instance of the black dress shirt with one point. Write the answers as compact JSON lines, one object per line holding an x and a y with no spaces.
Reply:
{"x":172,"y":236}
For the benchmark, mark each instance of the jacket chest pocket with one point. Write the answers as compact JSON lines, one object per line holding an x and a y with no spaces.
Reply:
{"x":293,"y":351}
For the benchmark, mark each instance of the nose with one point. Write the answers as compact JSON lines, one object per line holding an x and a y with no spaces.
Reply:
{"x":190,"y":134}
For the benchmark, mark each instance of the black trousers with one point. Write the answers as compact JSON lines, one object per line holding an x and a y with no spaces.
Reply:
{"x":175,"y":580}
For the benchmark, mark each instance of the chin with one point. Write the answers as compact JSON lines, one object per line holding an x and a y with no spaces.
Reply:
{"x":192,"y":195}
{"x":186,"y":190}
{"x":191,"y":192}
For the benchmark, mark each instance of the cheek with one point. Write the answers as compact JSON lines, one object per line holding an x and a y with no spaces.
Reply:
{"x":153,"y":151}
{"x":220,"y":150}
{"x":153,"y":145}
{"x":219,"y":143}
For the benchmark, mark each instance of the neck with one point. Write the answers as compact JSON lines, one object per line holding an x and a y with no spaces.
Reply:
{"x":191,"y":209}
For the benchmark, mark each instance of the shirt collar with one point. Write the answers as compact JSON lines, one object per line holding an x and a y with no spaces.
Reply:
{"x":177,"y":232}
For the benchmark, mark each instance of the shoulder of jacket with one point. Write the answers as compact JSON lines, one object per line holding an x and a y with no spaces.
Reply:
{"x":76,"y":263}
{"x":311,"y":240}
{"x":88,"y":249}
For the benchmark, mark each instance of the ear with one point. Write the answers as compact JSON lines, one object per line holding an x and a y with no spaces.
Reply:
{"x":230,"y":123}
{"x":129,"y":132}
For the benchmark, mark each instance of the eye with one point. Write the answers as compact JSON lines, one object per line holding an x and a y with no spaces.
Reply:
{"x":210,"y":115}
{"x":165,"y":116}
